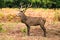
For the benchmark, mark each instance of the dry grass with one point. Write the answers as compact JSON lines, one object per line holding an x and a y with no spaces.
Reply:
{"x":35,"y":12}
{"x":14,"y":30}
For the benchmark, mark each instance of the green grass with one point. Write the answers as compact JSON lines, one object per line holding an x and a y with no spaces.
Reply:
{"x":1,"y":29}
{"x":24,"y":30}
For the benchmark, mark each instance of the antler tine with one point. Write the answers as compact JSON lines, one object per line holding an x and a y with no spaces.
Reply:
{"x":29,"y":5}
{"x":21,"y":5}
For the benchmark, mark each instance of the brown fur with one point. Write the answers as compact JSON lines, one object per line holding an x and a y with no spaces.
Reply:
{"x":32,"y":21}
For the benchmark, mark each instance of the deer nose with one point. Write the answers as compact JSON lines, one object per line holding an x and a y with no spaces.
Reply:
{"x":17,"y":15}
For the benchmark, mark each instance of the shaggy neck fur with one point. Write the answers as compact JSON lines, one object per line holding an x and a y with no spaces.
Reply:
{"x":23,"y":17}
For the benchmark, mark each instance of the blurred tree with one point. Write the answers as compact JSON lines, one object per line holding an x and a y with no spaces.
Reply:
{"x":1,"y":3}
{"x":35,"y":3}
{"x":58,"y":3}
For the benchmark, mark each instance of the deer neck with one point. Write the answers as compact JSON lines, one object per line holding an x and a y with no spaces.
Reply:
{"x":23,"y":18}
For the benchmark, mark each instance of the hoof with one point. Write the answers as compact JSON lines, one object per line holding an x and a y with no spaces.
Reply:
{"x":44,"y":35}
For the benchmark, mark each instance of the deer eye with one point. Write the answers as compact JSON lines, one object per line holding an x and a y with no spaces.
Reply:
{"x":21,"y":11}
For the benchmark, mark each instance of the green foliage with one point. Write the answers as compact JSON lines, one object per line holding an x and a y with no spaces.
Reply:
{"x":58,"y":3}
{"x":1,"y":27}
{"x":35,"y":3}
{"x":1,"y":3}
{"x":24,"y":30}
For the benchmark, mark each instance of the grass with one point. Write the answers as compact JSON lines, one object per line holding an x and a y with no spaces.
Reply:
{"x":11,"y":25}
{"x":6,"y":37}
{"x":1,"y":16}
{"x":24,"y":30}
{"x":34,"y":10}
{"x":1,"y":29}
{"x":57,"y":16}
{"x":4,"y":27}
{"x":8,"y":26}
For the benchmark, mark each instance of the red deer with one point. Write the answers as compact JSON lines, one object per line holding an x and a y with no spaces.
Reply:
{"x":32,"y":21}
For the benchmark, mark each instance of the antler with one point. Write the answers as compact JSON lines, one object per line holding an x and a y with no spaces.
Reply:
{"x":28,"y":6}
{"x":21,"y":5}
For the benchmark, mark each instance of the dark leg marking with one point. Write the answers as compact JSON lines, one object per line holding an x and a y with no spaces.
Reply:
{"x":28,"y":30}
{"x":44,"y":30}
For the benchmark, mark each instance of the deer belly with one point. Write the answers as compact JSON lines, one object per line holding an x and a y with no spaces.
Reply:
{"x":32,"y":23}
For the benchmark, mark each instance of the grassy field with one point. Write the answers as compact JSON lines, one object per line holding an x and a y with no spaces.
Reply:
{"x":12,"y":29}
{"x":17,"y":31}
{"x":10,"y":14}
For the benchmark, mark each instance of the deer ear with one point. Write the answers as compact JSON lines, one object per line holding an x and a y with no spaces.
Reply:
{"x":23,"y":10}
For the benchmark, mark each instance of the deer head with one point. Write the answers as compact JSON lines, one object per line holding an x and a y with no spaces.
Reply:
{"x":23,"y":10}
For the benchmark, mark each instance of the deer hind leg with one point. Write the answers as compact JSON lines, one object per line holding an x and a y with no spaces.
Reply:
{"x":44,"y":29}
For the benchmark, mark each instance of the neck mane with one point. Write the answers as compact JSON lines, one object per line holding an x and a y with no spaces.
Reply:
{"x":23,"y":16}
